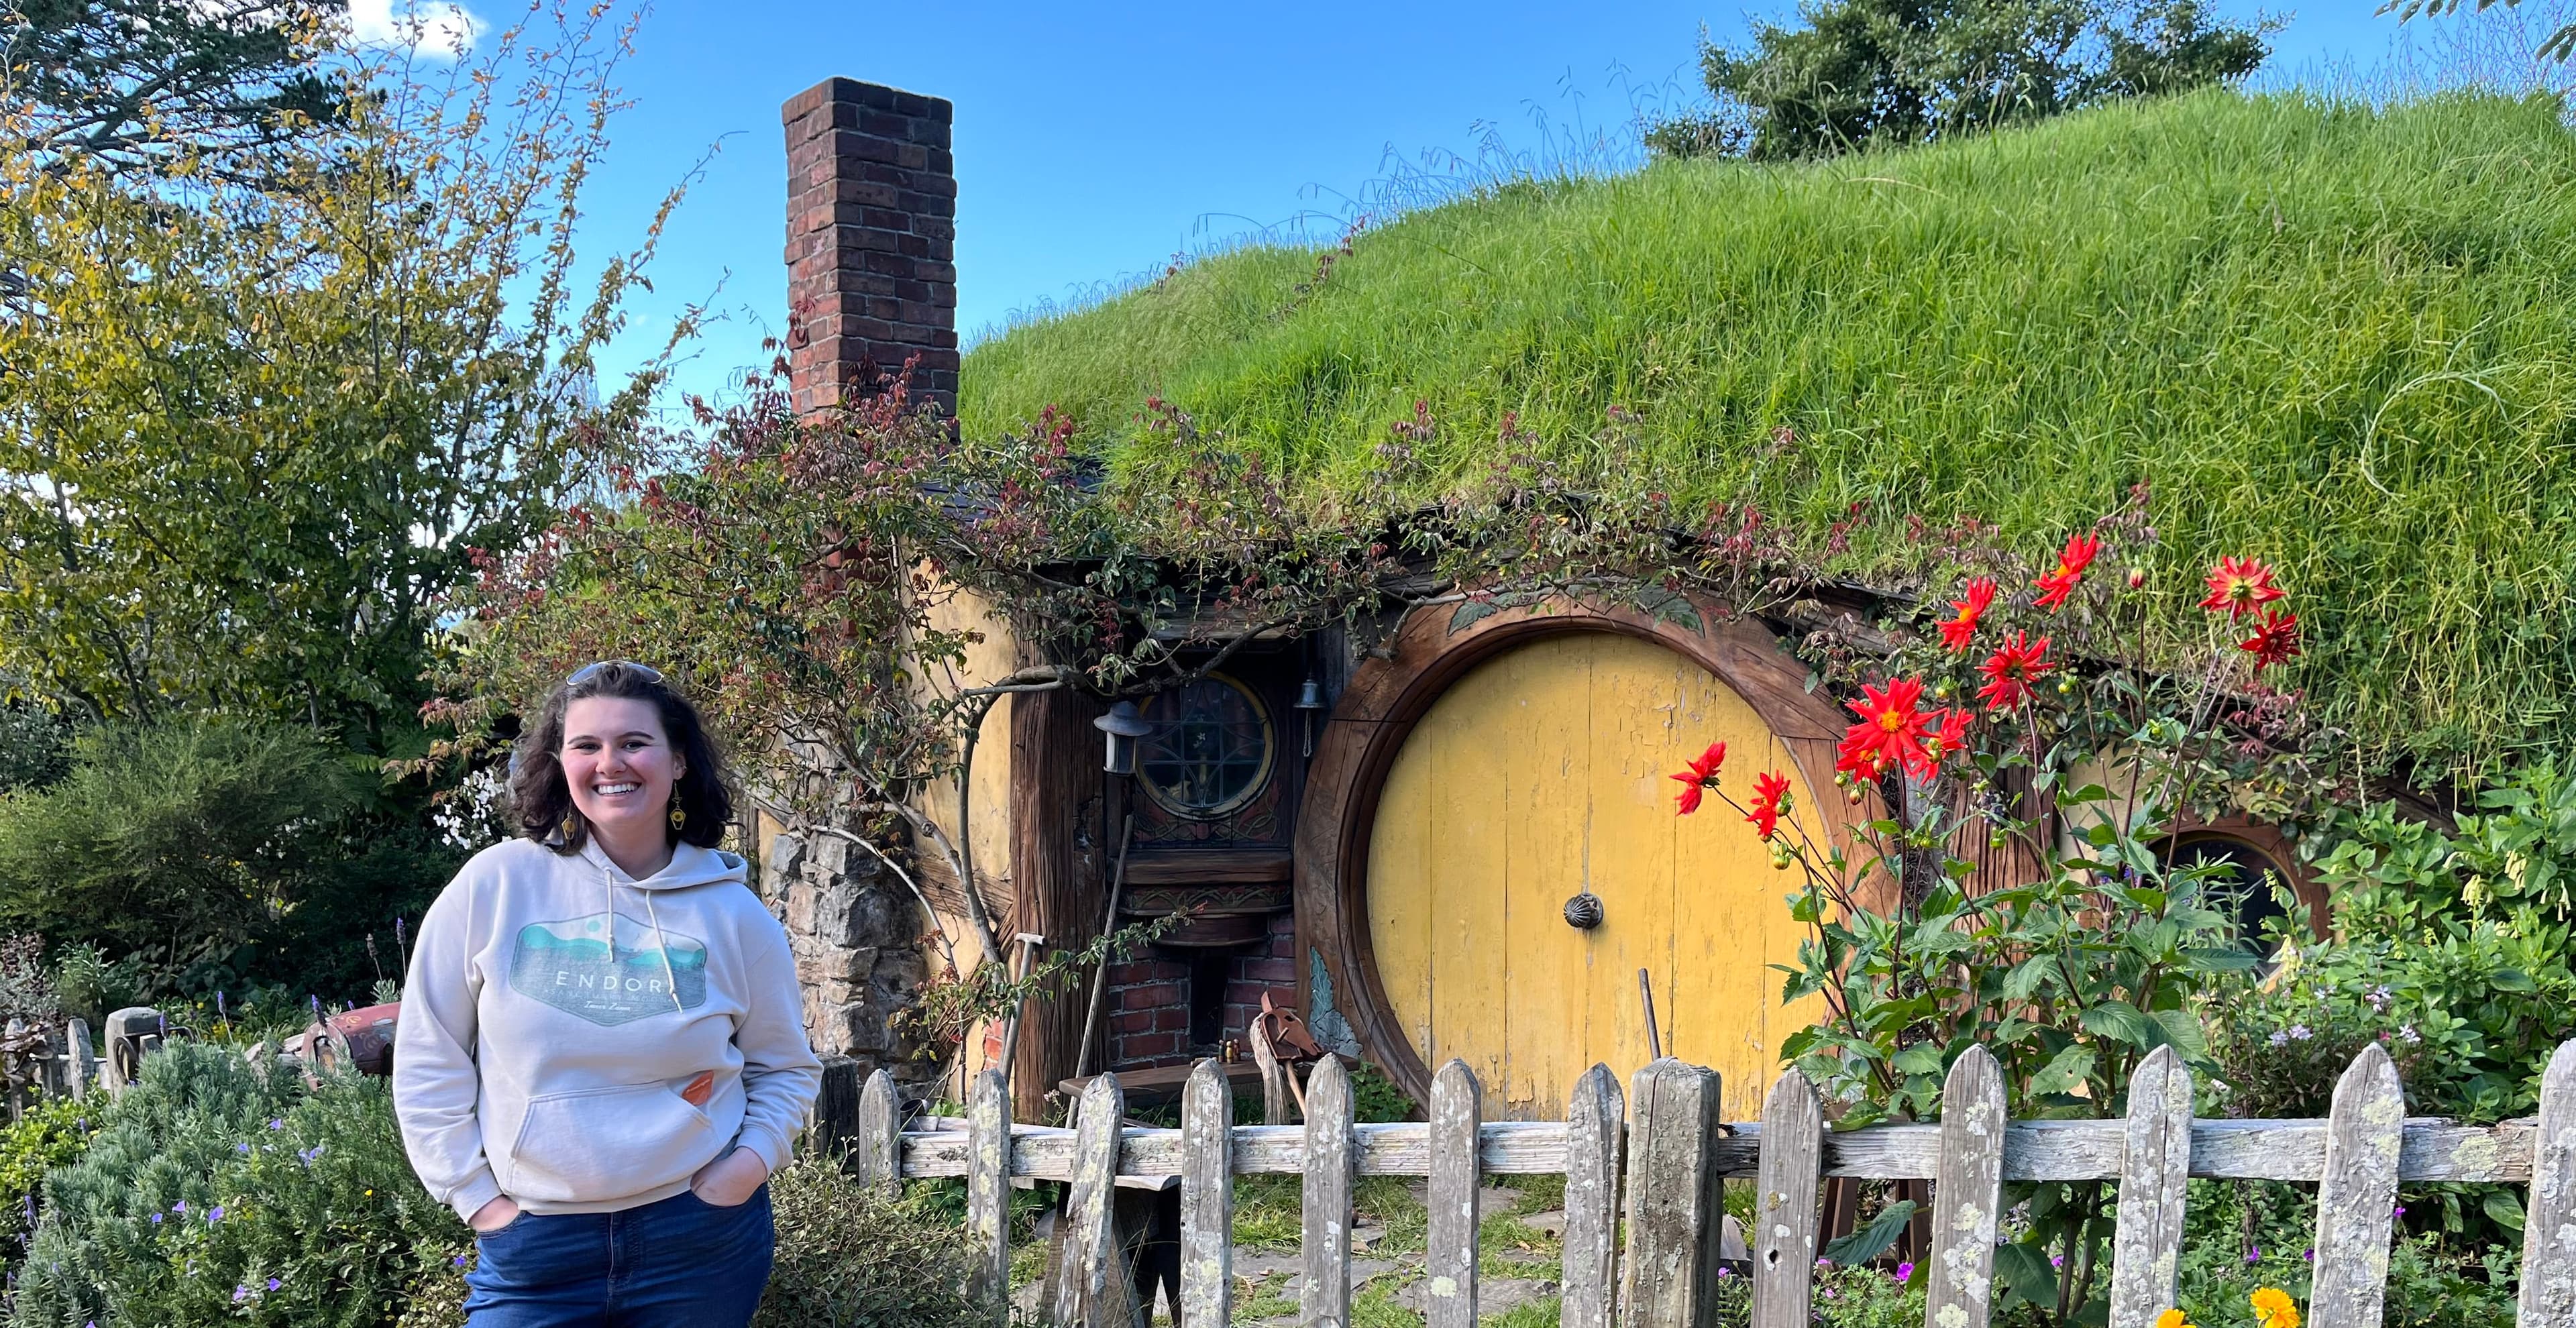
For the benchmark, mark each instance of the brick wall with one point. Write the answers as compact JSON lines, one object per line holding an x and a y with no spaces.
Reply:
{"x":871,"y":232}
{"x":1148,"y":1005}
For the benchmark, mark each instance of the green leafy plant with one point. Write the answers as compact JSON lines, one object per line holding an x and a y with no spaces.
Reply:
{"x":854,"y":1257}
{"x":2035,"y":733}
{"x":50,"y":1134}
{"x":218,"y":1191}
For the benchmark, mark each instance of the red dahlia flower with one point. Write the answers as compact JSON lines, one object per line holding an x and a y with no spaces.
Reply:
{"x":1949,"y":733}
{"x":2240,"y":586}
{"x":2011,"y":671}
{"x":2078,"y":555}
{"x":1770,"y":798}
{"x":2275,"y":639}
{"x":1890,"y":731}
{"x":1957,"y":632}
{"x":1701,"y":774}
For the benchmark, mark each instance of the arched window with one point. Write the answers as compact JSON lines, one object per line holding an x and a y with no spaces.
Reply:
{"x":1210,"y":749}
{"x":2241,"y":883}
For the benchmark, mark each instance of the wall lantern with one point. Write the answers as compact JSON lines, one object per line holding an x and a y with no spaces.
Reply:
{"x":1310,"y":698}
{"x":1124,"y":726}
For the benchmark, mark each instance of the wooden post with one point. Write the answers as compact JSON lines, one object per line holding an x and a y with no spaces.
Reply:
{"x":80,"y":1063}
{"x":1675,"y":1199}
{"x":2549,"y":1220}
{"x":832,"y":1124}
{"x":1449,"y":1293}
{"x":988,"y":1185}
{"x":1093,"y":1289}
{"x":2357,"y":1197}
{"x":1207,"y":1198}
{"x":879,"y":1157}
{"x":1325,"y":1301}
{"x":1059,"y":876}
{"x":1785,"y":1217}
{"x":2155,"y":1168}
{"x":1592,"y":1125}
{"x":1967,"y":1194}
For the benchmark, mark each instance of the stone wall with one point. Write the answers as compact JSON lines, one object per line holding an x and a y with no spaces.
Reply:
{"x":856,"y":934}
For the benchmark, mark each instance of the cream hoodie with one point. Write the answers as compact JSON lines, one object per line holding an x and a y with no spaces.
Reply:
{"x":583,"y":1042}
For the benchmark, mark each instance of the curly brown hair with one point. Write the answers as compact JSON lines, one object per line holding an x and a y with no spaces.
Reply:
{"x":541,"y":801}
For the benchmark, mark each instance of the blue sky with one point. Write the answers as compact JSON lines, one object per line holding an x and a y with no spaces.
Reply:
{"x":1093,"y":142}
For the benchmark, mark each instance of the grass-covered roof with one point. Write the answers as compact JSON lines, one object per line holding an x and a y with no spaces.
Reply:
{"x":2338,"y":337}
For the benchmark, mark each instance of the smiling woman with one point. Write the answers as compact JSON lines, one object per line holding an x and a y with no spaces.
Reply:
{"x":645,"y":1060}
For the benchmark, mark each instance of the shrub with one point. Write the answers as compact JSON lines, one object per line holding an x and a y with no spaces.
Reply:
{"x":853,"y":1257}
{"x":49,"y":1135}
{"x":220,"y":1191}
{"x":203,"y":851}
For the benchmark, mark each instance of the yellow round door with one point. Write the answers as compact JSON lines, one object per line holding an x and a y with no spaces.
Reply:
{"x":1539,"y":774}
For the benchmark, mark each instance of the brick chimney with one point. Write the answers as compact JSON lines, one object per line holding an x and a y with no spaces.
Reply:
{"x":871,"y":231}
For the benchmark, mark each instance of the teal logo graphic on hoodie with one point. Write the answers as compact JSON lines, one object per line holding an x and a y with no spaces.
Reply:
{"x":573,"y":966}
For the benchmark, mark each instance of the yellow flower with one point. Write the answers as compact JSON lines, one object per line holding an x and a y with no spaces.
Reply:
{"x":2171,"y":1319}
{"x":2273,"y":1308}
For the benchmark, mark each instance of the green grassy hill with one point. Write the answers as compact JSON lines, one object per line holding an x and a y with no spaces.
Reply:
{"x":2338,"y":337}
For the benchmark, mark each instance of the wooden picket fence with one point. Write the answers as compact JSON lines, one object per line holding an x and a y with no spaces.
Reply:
{"x":1665,"y":1138}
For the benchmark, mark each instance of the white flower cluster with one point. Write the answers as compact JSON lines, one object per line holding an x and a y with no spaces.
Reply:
{"x":473,"y":814}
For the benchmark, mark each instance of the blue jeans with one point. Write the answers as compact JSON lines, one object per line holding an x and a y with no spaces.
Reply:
{"x":679,"y":1263}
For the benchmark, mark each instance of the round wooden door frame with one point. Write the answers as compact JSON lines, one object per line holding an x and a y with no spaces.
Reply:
{"x":1392,"y":690}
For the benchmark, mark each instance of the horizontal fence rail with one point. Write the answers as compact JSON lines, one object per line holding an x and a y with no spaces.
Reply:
{"x":2434,"y":1150}
{"x":1647,"y":1164}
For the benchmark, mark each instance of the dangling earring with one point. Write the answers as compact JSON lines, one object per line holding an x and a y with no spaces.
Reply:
{"x":678,"y":817}
{"x":566,"y":828}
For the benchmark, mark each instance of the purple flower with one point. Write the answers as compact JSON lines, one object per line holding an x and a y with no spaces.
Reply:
{"x":156,"y":1219}
{"x":2310,"y":1256}
{"x":2401,"y":1212}
{"x":272,"y":1284}
{"x":2279,"y":1038}
{"x":179,"y":1207}
{"x":215,"y":1214}
{"x":2057,"y":1261}
{"x":241,"y":1148}
{"x":1905,"y":1272}
{"x":2299,"y":1031}
{"x":459,"y":1261}
{"x":1724,"y":1271}
{"x":240,"y":1293}
{"x":2254,"y":1255}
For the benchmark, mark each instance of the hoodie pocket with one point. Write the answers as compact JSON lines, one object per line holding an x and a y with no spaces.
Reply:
{"x":607,"y":1143}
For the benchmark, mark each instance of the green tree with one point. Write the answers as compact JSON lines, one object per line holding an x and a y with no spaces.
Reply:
{"x":247,"y":435}
{"x":1862,"y":72}
{"x":127,"y":83}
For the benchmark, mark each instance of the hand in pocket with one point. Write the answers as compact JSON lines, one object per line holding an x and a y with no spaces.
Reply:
{"x":731,"y":1180}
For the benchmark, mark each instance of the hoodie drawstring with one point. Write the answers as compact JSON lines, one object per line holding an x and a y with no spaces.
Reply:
{"x":661,"y":942}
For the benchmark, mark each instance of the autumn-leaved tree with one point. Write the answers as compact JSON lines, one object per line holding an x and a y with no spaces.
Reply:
{"x":247,"y":431}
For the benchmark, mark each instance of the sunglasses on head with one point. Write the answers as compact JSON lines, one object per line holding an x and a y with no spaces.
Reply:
{"x":589,"y":671}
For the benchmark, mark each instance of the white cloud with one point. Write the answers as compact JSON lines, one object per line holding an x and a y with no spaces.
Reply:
{"x":433,"y":29}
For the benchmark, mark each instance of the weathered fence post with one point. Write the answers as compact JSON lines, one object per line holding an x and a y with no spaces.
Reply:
{"x":80,"y":1063}
{"x":1325,"y":1301}
{"x":2549,"y":1220}
{"x":988,"y":1185}
{"x":2357,"y":1198}
{"x":1967,"y":1194}
{"x":1676,"y":1206}
{"x":879,"y":1133}
{"x":2155,"y":1168}
{"x":1449,"y":1294}
{"x":1784,"y":1203}
{"x":1093,"y":1289}
{"x":1207,"y":1198}
{"x":1592,"y":1125}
